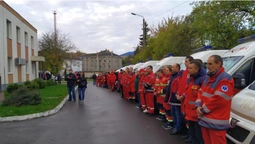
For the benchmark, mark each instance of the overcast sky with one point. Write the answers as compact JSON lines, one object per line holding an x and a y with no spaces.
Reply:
{"x":95,"y":25}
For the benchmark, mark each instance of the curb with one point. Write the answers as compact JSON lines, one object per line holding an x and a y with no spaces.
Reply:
{"x":36,"y":115}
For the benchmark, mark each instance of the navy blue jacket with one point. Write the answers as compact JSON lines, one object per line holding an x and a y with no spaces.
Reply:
{"x":71,"y":79}
{"x":168,"y":88}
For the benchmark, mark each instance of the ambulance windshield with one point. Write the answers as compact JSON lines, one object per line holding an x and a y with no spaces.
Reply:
{"x":252,"y":86}
{"x":229,"y":62}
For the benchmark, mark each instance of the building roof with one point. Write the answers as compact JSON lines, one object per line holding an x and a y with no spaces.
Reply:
{"x":11,"y":10}
{"x":102,"y":53}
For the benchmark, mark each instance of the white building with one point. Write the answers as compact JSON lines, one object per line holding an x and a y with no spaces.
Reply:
{"x":75,"y":64}
{"x":18,"y":47}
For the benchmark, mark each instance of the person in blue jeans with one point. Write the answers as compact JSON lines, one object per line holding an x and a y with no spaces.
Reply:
{"x":82,"y":85}
{"x":71,"y":79}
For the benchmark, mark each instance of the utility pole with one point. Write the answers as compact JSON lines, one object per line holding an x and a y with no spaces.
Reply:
{"x":144,"y":29}
{"x":144,"y":34}
{"x":55,"y":25}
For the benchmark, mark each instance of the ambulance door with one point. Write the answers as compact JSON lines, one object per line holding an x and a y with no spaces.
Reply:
{"x":248,"y":69}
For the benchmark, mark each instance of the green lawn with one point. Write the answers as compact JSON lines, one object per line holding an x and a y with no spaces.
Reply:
{"x":51,"y":97}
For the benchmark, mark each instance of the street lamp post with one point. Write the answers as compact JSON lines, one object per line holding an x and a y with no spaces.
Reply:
{"x":144,"y":31}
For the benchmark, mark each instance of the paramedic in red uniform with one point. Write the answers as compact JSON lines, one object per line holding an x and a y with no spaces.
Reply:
{"x":112,"y":79}
{"x":131,"y":82}
{"x":180,"y":94}
{"x":197,"y":76}
{"x":214,"y":102}
{"x":149,"y":82}
{"x":141,"y":89}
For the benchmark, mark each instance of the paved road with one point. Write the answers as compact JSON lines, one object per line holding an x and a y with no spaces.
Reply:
{"x":104,"y":119}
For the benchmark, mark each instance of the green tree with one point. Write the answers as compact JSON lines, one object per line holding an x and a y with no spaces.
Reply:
{"x":221,"y":23}
{"x":127,"y":60}
{"x":54,"y":47}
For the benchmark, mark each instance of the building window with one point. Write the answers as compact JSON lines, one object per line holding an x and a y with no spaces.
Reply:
{"x":26,"y":39}
{"x":18,"y":34}
{"x":9,"y":29}
{"x":32,"y":42}
{"x":26,"y":67}
{"x":9,"y":64}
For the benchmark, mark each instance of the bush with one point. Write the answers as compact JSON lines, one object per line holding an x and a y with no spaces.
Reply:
{"x":27,"y":82}
{"x":41,"y":83}
{"x":33,"y":85}
{"x":12,"y":87}
{"x":23,"y":96}
{"x":50,"y":82}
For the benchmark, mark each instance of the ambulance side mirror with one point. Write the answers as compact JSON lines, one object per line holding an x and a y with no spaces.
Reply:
{"x":239,"y":79}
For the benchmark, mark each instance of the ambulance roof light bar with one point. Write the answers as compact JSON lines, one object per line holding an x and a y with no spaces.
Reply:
{"x":149,"y":59}
{"x":246,"y":39}
{"x":168,"y":55}
{"x":202,"y":49}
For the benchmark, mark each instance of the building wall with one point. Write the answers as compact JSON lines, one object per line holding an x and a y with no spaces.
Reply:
{"x":101,"y":63}
{"x":19,"y":46}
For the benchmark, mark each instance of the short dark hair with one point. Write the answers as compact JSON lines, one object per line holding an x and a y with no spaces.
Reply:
{"x":201,"y":62}
{"x":160,"y":70}
{"x":217,"y":59}
{"x":197,"y":63}
{"x":190,"y":58}
{"x":169,"y":67}
{"x":178,"y":66}
{"x":150,"y":67}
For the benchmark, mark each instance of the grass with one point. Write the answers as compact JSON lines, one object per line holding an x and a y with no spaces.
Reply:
{"x":51,"y":97}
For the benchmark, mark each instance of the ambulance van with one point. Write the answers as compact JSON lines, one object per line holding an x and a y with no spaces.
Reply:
{"x":204,"y":55}
{"x":136,"y":66}
{"x":151,"y":62}
{"x":240,"y":63}
{"x":167,"y":61}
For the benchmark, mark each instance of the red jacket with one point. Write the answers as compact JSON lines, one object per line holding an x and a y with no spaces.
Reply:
{"x":157,"y":85}
{"x":141,"y":83}
{"x":112,"y":77}
{"x":131,"y":81}
{"x":191,"y":93}
{"x":119,"y":77}
{"x":149,"y":82}
{"x":182,"y":82}
{"x":215,"y":98}
{"x":124,"y":80}
{"x":164,"y":84}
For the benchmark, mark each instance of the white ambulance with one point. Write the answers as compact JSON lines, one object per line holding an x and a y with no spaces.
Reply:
{"x":136,"y":66}
{"x":240,"y":63}
{"x":151,"y":62}
{"x":167,"y":61}
{"x":204,"y":55}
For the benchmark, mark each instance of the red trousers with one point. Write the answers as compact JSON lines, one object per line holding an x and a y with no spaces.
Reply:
{"x":160,"y":100}
{"x":149,"y":96}
{"x":112,"y":83}
{"x":125,"y":91}
{"x":212,"y":136}
{"x":142,"y":100}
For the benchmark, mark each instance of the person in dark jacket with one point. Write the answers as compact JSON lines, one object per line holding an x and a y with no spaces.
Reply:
{"x":174,"y":102}
{"x":70,"y":78}
{"x":82,"y":85}
{"x":94,"y":77}
{"x":59,"y":78}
